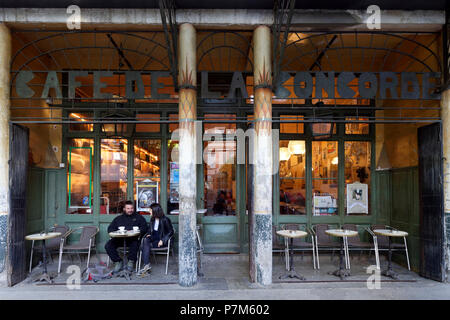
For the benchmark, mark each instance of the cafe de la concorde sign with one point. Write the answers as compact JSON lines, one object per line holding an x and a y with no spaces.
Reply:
{"x":399,"y":85}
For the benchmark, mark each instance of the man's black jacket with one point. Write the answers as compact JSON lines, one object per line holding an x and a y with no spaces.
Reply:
{"x":133,"y":220}
{"x":165,"y":229}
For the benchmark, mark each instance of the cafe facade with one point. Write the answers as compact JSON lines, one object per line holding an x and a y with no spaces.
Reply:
{"x":260,"y":117}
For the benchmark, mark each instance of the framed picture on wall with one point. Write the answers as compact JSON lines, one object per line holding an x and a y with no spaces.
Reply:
{"x":146,"y":194}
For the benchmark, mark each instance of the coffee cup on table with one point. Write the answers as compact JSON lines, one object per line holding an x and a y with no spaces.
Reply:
{"x":122,"y":229}
{"x":135,"y":229}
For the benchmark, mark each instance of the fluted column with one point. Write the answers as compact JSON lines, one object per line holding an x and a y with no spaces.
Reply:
{"x":262,"y":157}
{"x":187,"y":112}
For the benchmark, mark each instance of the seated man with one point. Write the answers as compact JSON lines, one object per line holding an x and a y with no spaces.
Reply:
{"x":159,"y":233}
{"x":128,"y":219}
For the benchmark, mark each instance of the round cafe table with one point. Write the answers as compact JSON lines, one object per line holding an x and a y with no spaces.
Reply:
{"x":291,"y":235}
{"x":389,"y":272}
{"x":43,"y":236}
{"x":343,"y":234}
{"x":124,"y":234}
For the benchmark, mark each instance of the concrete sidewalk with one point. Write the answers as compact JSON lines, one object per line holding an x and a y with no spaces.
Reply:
{"x":226,"y":278}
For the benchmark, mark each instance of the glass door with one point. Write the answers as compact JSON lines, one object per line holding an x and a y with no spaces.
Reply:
{"x":220,"y":187}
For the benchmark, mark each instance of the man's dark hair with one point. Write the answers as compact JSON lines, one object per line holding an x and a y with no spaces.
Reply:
{"x":129,"y":202}
{"x":157,"y":211}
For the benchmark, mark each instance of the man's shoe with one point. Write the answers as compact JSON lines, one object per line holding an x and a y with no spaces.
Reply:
{"x":130,"y":266}
{"x":146,"y":269}
{"x":117,"y":267}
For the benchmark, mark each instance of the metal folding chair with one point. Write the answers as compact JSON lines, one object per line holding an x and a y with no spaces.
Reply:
{"x":86,"y":244}
{"x":161,"y":250}
{"x":383,"y":242}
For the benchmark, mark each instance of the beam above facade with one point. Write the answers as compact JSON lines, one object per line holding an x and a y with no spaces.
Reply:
{"x":302,"y":20}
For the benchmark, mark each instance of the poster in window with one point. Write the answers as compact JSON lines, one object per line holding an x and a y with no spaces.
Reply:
{"x":147,"y":193}
{"x":173,"y":194}
{"x":174,"y":173}
{"x":357,"y":198}
{"x":174,"y":182}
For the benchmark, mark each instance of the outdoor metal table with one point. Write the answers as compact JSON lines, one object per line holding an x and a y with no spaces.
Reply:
{"x":124,"y":234}
{"x":343,"y":234}
{"x":43,"y":237}
{"x":389,"y":272}
{"x":291,"y":235}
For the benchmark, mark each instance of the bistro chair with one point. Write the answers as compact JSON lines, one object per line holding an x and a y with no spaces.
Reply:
{"x":161,"y":250}
{"x":355,"y":243}
{"x":383,"y":242}
{"x":52,"y":245}
{"x":323,"y":241}
{"x":277,"y":247}
{"x":85,"y":244}
{"x":300,"y":244}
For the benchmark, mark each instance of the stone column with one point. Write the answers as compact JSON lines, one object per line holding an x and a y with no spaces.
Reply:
{"x":445,"y":112}
{"x":187,"y":112}
{"x":262,"y":157}
{"x":5,"y":58}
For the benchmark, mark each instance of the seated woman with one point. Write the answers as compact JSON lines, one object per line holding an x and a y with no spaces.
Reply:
{"x":159,"y":232}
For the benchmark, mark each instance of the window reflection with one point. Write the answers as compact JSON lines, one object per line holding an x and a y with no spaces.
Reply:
{"x":113,"y":177}
{"x":325,"y":177}
{"x":292,"y":177}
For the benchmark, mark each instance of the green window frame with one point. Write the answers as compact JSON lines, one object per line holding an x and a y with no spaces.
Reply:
{"x":90,"y":176}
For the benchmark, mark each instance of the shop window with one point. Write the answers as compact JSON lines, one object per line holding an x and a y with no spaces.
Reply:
{"x":147,"y":127}
{"x":113,"y":178}
{"x":357,"y":177}
{"x":356,"y":127}
{"x":291,"y":127}
{"x":147,"y":179}
{"x":80,"y":176}
{"x":323,"y":130}
{"x":220,"y":128}
{"x":292,"y":177}
{"x":173,"y":177}
{"x":220,"y":177}
{"x":82,"y":118}
{"x":325,"y":177}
